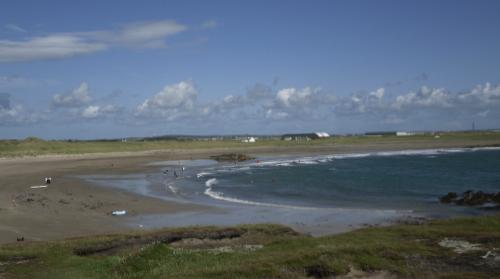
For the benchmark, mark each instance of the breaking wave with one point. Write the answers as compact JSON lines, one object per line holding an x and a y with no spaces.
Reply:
{"x":212,"y":181}
{"x":328,"y":158}
{"x":220,"y":196}
{"x":202,"y":174}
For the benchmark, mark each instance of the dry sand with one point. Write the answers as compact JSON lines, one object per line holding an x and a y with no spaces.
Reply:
{"x":72,"y":207}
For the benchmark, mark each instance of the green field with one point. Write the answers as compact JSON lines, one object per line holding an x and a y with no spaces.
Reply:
{"x":263,"y":251}
{"x":35,"y":147}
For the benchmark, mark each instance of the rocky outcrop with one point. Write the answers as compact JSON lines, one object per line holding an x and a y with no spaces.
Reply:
{"x":451,"y":196}
{"x":231,"y":157}
{"x":471,"y":198}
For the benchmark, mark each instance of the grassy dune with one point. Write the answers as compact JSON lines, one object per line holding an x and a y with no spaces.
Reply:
{"x":35,"y":147}
{"x":264,"y":251}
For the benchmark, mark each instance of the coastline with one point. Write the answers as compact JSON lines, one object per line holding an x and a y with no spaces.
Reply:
{"x":50,"y":213}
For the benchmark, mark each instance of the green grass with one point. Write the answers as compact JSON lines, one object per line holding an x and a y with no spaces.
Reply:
{"x":407,"y":251}
{"x":35,"y":147}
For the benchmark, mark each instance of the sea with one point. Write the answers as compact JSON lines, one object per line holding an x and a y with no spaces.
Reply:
{"x":319,"y":194}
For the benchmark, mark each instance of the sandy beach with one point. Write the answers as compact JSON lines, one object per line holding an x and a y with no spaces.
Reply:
{"x":71,"y":207}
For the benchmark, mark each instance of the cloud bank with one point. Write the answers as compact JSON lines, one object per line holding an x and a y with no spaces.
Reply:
{"x":177,"y":105}
{"x":151,"y":34}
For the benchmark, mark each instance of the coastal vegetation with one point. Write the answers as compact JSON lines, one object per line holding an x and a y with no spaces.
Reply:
{"x":34,"y":146}
{"x":456,"y":248}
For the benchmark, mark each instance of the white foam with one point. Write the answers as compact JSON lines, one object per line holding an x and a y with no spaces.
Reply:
{"x":348,"y":156}
{"x":487,"y":148}
{"x":220,"y":196}
{"x":211,"y":182}
{"x":308,"y":161}
{"x":327,"y":158}
{"x":173,"y":189}
{"x":428,"y":152}
{"x":202,"y":174}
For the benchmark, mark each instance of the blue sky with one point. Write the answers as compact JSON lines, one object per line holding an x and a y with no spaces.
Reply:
{"x":94,"y":69}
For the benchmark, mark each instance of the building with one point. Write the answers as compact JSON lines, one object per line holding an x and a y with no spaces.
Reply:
{"x":305,"y":136}
{"x":249,"y":140}
{"x":404,"y":134}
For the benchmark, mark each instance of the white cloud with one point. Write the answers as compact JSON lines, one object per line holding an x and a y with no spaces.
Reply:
{"x":425,"y":97}
{"x":18,"y":115}
{"x":48,"y":47}
{"x":209,"y":24}
{"x":14,"y":28}
{"x":483,"y":95}
{"x":10,"y":115}
{"x":259,"y":92}
{"x":380,"y":108}
{"x":78,"y":97}
{"x":17,"y":81}
{"x":173,"y":101}
{"x":62,"y":45}
{"x":424,"y":108}
{"x":379,"y":93}
{"x":276,"y":115}
{"x":142,"y":34}
{"x":290,"y":97}
{"x":96,"y":111}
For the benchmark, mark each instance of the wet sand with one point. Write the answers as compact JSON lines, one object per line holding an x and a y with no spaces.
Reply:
{"x":71,"y":207}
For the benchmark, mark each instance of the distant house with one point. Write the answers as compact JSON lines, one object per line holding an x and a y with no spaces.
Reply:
{"x":305,"y":136}
{"x":404,"y":134}
{"x":249,"y":140}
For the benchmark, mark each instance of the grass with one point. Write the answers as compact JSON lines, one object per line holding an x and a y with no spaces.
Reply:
{"x":406,"y":251}
{"x":34,"y":147}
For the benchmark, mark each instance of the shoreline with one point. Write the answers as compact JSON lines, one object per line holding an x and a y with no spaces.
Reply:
{"x":48,"y":214}
{"x":308,"y":219}
{"x":199,"y":153}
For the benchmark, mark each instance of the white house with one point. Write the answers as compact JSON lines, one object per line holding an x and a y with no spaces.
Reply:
{"x":249,"y":140}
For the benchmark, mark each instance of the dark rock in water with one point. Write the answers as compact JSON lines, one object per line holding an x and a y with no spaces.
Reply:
{"x":496,"y":198}
{"x":231,"y":157}
{"x":479,"y":198}
{"x":451,"y":196}
{"x":472,"y":198}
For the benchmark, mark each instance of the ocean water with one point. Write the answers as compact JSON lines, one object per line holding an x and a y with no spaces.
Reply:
{"x":403,"y":180}
{"x":319,"y":195}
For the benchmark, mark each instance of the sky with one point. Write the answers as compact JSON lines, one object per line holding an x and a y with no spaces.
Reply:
{"x":112,"y":69}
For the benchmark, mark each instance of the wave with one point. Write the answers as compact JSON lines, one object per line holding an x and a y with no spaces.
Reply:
{"x":321,"y":159}
{"x":202,"y":174}
{"x":220,"y":196}
{"x":289,"y":162}
{"x":328,"y":158}
{"x":173,"y":189}
{"x":212,"y":181}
